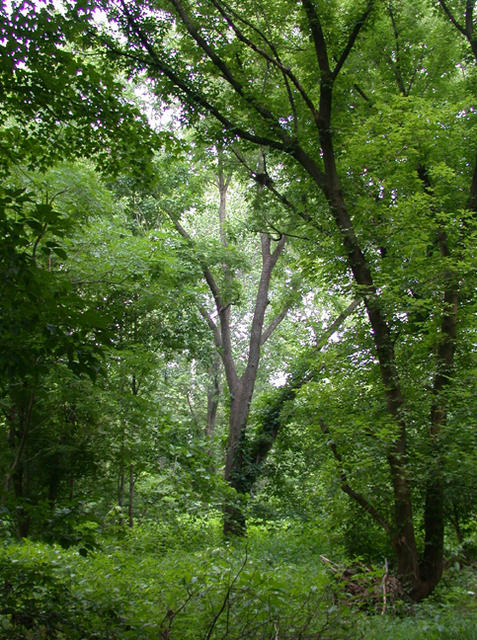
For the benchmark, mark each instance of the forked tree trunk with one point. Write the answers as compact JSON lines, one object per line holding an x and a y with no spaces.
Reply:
{"x":241,"y":391}
{"x":240,"y":387}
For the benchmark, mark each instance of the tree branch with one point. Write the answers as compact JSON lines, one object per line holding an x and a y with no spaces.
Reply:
{"x":472,"y":200}
{"x":222,"y":338}
{"x":214,"y":289}
{"x":226,"y":597}
{"x":357,"y":497}
{"x":212,"y":326}
{"x":358,"y":89}
{"x":318,"y":38}
{"x":396,"y":67}
{"x":449,"y":14}
{"x":469,"y":22}
{"x":227,"y":74}
{"x":269,"y":260}
{"x":336,"y":324}
{"x":352,"y":37}
{"x":192,"y":93}
{"x":276,"y":61}
{"x":274,"y":324}
{"x":278,"y":250}
{"x":264,"y":180}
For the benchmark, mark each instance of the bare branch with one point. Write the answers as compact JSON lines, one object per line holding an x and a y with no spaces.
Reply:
{"x":212,"y":325}
{"x":226,"y":597}
{"x":191,"y":410}
{"x":37,"y":241}
{"x":336,"y":324}
{"x":358,"y":89}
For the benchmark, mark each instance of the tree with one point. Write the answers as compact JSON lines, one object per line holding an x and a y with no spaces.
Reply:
{"x":221,"y":265}
{"x":302,"y":80}
{"x":92,"y":316}
{"x":44,"y":324}
{"x":53,"y":97}
{"x":57,"y":104}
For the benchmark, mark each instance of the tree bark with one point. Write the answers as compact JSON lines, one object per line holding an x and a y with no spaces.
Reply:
{"x":213,"y":397}
{"x":242,"y":390}
{"x":131,"y":497}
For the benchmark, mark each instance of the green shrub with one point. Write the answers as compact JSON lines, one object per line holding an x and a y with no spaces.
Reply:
{"x":37,"y":600}
{"x":145,"y":585}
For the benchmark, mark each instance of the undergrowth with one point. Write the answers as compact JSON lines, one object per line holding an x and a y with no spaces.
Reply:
{"x":158,"y":582}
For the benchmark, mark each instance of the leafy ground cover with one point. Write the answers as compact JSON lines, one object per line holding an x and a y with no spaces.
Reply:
{"x":182,"y":582}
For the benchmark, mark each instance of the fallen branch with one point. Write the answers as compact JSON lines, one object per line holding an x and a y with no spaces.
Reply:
{"x":363,"y":586}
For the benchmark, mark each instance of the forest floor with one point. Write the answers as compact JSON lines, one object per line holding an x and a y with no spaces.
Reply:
{"x":182,"y":582}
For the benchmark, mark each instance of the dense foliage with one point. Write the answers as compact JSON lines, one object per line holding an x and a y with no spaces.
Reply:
{"x":237,"y":321}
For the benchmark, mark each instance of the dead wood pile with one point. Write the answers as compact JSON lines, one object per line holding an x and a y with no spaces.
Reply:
{"x":370,"y":588}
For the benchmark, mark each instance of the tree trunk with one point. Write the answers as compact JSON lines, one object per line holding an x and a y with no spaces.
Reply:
{"x":234,"y":517}
{"x":419,"y":578}
{"x":72,"y":487}
{"x":22,"y":517}
{"x":240,"y":387}
{"x":131,"y":497}
{"x":213,"y":396}
{"x":19,"y":419}
{"x":54,"y":481}
{"x":121,"y":478}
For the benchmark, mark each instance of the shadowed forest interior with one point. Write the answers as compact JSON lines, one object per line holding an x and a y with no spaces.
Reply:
{"x":238,"y":331}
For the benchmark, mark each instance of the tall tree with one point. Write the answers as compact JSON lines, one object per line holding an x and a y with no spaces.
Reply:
{"x":322,"y":87}
{"x":221,"y":264}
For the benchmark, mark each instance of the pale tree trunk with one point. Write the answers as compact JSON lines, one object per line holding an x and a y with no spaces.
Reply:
{"x":121,"y":479}
{"x":126,"y":467}
{"x":240,"y":387}
{"x":135,"y":392}
{"x":121,"y":484}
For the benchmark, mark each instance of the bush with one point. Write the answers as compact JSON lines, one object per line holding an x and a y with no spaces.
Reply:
{"x":37,"y":600}
{"x":143,"y":586}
